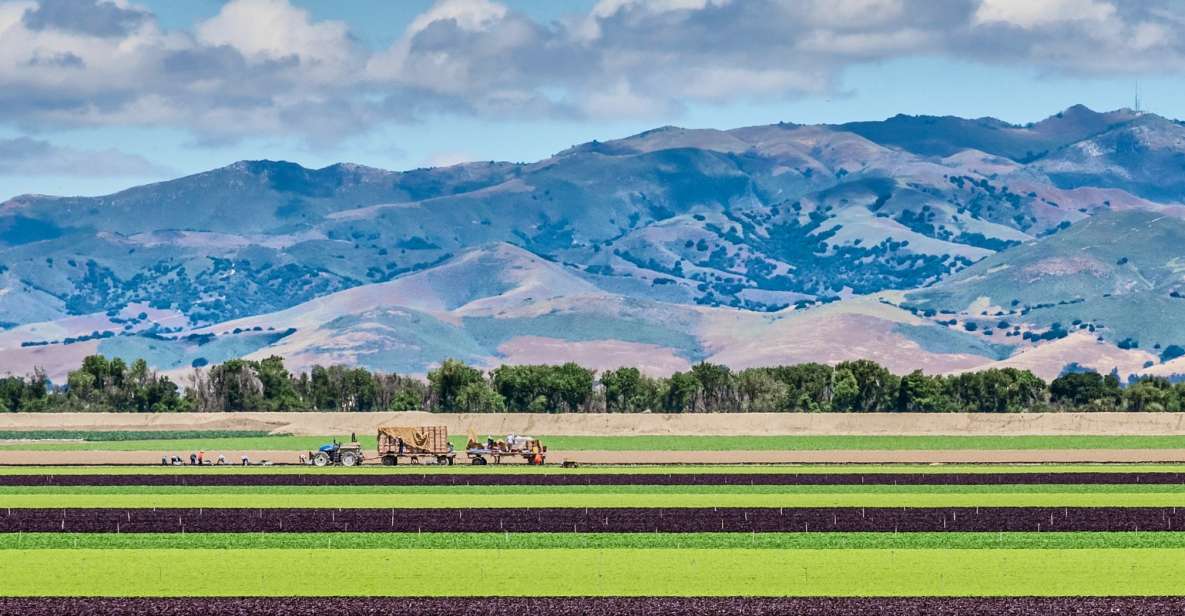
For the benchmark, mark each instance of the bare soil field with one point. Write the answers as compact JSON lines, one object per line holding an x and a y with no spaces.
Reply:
{"x":1028,"y":456}
{"x":643,"y":424}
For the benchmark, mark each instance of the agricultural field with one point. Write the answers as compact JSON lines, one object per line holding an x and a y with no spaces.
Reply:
{"x":834,"y":539}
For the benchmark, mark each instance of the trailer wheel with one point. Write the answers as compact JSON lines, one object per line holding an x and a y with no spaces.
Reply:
{"x":450,"y":460}
{"x":390,"y":460}
{"x":442,"y":459}
{"x":479,"y":461}
{"x":349,"y":459}
{"x":320,"y":459}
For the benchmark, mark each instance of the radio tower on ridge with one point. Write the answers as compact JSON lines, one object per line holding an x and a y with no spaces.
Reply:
{"x":1137,"y":107}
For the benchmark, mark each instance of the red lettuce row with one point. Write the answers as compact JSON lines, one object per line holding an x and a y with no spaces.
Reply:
{"x":451,"y":479}
{"x":606,"y":606}
{"x":617,"y":520}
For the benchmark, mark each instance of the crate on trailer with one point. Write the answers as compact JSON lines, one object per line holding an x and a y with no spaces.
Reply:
{"x":414,"y":444}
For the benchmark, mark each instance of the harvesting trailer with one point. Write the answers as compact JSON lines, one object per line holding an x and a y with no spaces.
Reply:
{"x":415,"y":444}
{"x":529,"y":448}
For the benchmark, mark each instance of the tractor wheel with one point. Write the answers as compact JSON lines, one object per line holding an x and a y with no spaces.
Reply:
{"x":390,"y":460}
{"x":321,"y":459}
{"x":442,"y":459}
{"x":479,"y":461}
{"x":349,"y":459}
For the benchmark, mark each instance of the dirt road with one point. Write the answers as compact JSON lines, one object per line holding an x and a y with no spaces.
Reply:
{"x":673,"y":457}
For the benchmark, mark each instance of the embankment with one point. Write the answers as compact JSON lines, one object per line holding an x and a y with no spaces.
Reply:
{"x":724,"y":424}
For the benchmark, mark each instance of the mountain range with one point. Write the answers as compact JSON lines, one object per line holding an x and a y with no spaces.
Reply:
{"x":938,"y":243}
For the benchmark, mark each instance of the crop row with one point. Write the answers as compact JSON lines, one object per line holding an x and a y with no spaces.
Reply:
{"x":596,"y":606}
{"x":594,"y":541}
{"x":596,"y":520}
{"x":679,"y":479}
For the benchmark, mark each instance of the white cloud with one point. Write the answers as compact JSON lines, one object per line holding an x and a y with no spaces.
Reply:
{"x":266,"y":67}
{"x":1036,"y":13}
{"x":448,"y":159}
{"x":275,"y":30}
{"x":24,"y":156}
{"x":471,"y":15}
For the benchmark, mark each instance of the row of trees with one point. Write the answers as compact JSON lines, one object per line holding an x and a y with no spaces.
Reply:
{"x":103,"y":384}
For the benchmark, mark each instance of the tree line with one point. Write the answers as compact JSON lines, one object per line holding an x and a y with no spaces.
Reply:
{"x":861,"y":386}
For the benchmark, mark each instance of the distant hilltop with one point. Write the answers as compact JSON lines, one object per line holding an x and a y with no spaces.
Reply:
{"x":936,"y":243}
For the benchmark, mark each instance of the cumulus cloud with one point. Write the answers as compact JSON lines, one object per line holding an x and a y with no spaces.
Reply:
{"x":24,"y":156}
{"x":1030,"y":14}
{"x":94,"y":19}
{"x":266,"y":67}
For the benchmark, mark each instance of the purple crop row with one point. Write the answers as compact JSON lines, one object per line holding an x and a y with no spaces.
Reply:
{"x":683,"y":520}
{"x":311,"y":479}
{"x":598,"y":606}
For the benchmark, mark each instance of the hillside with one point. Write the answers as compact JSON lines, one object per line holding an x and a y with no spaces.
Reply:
{"x":753,"y":245}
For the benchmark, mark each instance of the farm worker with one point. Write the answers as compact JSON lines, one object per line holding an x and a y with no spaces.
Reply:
{"x":192,"y":458}
{"x":201,"y":457}
{"x":221,"y":459}
{"x":246,"y":461}
{"x":489,"y":442}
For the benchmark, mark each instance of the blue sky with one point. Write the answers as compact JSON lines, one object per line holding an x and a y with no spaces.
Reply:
{"x":418,"y":82}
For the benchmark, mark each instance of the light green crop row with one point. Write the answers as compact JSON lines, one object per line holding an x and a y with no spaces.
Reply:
{"x":554,"y":500}
{"x":523,"y":469}
{"x":608,"y":572}
{"x":595,"y":541}
{"x":213,"y":493}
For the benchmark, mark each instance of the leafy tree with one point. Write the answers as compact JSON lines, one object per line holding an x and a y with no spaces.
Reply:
{"x":920,"y":393}
{"x":810,"y":386}
{"x":683,"y":389}
{"x":478,"y":397}
{"x":1151,"y":394}
{"x":449,"y":380}
{"x":1085,"y":389}
{"x":716,"y":386}
{"x":759,"y":391}
{"x":876,"y":386}
{"x":279,"y":391}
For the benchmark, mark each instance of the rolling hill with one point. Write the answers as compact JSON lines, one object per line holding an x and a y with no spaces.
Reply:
{"x":939,"y":243}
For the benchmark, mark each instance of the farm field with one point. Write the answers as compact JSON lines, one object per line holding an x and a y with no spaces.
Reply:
{"x":596,"y":539}
{"x":828,"y":539}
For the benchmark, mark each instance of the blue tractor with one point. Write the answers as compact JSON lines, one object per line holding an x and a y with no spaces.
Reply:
{"x":344,"y":454}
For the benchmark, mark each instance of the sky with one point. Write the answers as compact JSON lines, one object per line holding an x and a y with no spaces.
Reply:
{"x":101,"y":95}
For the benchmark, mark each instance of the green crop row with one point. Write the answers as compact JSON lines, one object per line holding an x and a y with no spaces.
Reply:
{"x":582,"y":572}
{"x":595,"y":541}
{"x":522,"y":469}
{"x":96,"y":438}
{"x":215,"y":493}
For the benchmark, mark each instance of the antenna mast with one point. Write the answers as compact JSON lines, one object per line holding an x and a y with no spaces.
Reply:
{"x":1137,"y":109}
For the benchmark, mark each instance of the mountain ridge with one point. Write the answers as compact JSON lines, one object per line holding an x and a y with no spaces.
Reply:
{"x":659,"y":231}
